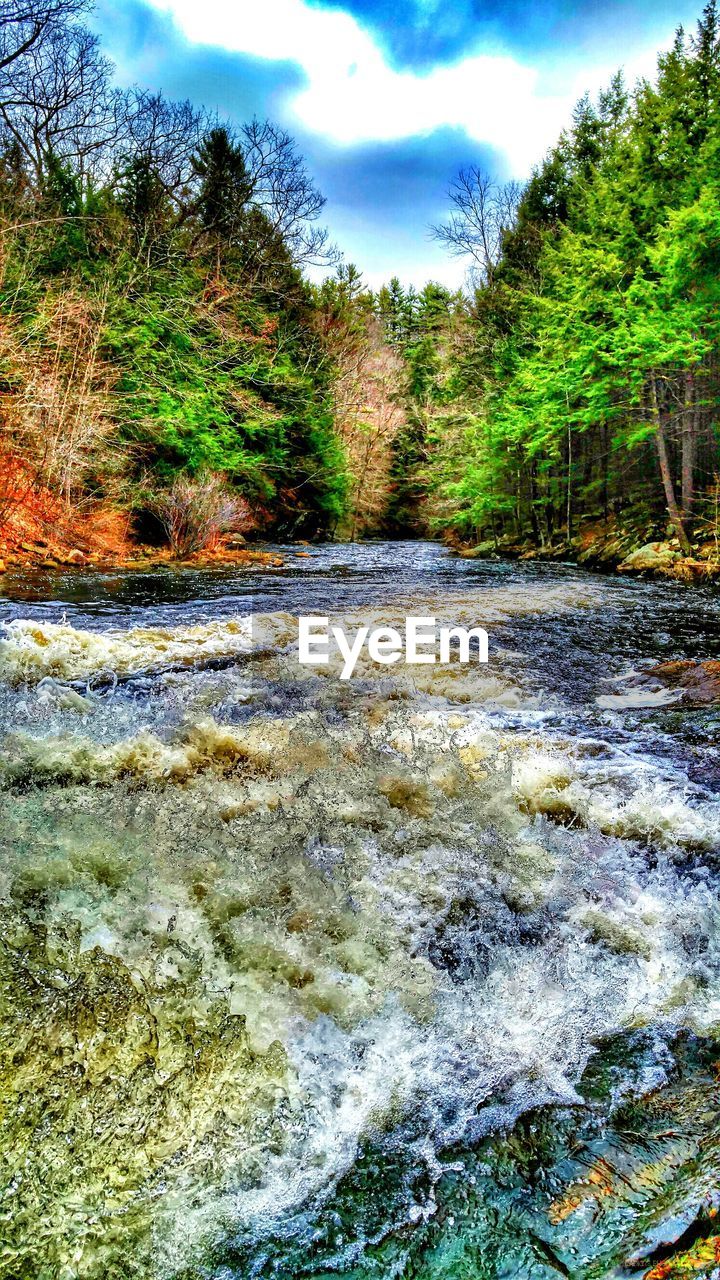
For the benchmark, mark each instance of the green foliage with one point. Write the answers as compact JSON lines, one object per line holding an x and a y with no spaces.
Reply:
{"x":225,"y":186}
{"x":225,"y":391}
{"x":588,"y":372}
{"x":209,"y":358}
{"x":578,"y":377}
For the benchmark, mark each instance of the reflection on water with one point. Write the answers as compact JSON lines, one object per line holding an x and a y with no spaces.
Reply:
{"x":414,"y":975}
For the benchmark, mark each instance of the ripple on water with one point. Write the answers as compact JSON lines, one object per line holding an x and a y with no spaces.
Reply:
{"x":271,"y":942}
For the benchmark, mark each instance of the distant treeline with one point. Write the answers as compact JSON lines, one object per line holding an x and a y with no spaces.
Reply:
{"x":580,"y":377}
{"x":157,"y":328}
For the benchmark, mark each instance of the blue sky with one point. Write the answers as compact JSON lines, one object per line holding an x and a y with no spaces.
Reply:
{"x":388,"y":98}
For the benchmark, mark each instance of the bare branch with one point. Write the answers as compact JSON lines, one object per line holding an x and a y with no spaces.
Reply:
{"x":166,"y":135}
{"x":483,"y":210}
{"x":56,"y":101}
{"x":282,"y":189}
{"x":24,"y":22}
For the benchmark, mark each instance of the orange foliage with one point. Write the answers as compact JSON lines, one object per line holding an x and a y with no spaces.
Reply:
{"x":36,"y":525}
{"x":700,"y":1258}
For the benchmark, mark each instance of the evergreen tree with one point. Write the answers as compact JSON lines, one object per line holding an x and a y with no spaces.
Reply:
{"x":224,"y":190}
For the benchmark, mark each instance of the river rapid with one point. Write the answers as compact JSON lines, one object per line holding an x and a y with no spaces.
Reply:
{"x":411,"y":975}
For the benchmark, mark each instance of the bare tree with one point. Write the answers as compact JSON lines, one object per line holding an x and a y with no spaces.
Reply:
{"x":56,"y":101}
{"x":281,"y":188}
{"x":63,"y":414}
{"x":195,"y":510}
{"x":367,"y":409}
{"x":23,"y":23}
{"x":483,"y":210}
{"x":165,"y":135}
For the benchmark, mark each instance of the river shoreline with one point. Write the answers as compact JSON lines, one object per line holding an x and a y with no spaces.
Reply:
{"x":141,"y":558}
{"x":610,"y":548}
{"x":605,"y":548}
{"x":655,"y":561}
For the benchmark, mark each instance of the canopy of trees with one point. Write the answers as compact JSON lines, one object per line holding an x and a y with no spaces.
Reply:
{"x":155,"y":315}
{"x":157,"y":321}
{"x":584,"y":378}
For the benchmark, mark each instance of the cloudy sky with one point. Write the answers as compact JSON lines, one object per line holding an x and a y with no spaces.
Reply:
{"x":388,"y":98}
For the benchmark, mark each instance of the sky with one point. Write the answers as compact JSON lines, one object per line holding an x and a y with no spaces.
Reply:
{"x":387,"y":99}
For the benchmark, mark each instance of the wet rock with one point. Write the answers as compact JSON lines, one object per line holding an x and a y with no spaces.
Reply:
{"x":615,"y":935}
{"x":236,"y":541}
{"x":665,"y":560}
{"x":691,"y":1225}
{"x":483,"y":551}
{"x":685,"y":682}
{"x":655,"y":557}
{"x":699,"y":681}
{"x":691,"y":570}
{"x":76,"y":556}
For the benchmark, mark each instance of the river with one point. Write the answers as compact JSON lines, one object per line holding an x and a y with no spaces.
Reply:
{"x":411,"y":975}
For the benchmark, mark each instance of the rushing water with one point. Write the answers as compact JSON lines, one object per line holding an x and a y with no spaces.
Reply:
{"x":412,"y":975}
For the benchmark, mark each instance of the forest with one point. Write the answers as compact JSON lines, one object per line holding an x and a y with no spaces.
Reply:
{"x":169,"y":371}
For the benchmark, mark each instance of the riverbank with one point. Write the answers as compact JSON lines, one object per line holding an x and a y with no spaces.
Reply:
{"x":33,"y":557}
{"x":52,"y":537}
{"x":610,"y":546}
{"x":38,"y":530}
{"x":141,"y":557}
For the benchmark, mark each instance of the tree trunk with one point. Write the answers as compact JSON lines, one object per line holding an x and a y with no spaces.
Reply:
{"x":689,"y":435}
{"x":536,"y":526}
{"x":665,"y":472}
{"x":494,"y":529}
{"x":605,"y":471}
{"x":568,"y":505}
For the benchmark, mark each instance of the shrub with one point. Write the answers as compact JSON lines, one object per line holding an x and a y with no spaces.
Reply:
{"x":195,"y":510}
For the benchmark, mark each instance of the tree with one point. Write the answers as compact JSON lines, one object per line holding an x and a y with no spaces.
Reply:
{"x":24,"y":23}
{"x":143,"y":198}
{"x":56,"y":100}
{"x":586,"y":379}
{"x":224,"y":191}
{"x":483,"y":211}
{"x":281,"y":188}
{"x":395,"y":311}
{"x":164,"y":136}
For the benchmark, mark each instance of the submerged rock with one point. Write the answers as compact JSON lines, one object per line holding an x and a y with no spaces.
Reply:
{"x":116,"y":1088}
{"x":686,"y":682}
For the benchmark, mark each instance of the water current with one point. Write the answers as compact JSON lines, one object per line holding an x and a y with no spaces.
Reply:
{"x":411,"y":975}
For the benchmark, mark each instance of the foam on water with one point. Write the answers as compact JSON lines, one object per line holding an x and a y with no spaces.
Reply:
{"x":30,"y":651}
{"x":243,"y":947}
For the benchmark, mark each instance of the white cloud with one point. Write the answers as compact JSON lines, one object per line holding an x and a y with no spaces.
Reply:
{"x":353,"y":96}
